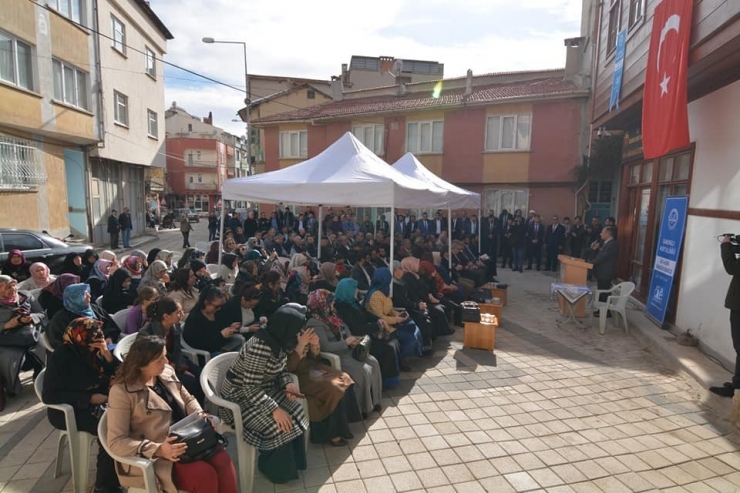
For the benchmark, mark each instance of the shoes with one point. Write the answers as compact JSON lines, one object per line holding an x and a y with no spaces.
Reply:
{"x":338,"y":443}
{"x":727,"y":390}
{"x":348,"y":436}
{"x":404,"y":366}
{"x":377,"y":409}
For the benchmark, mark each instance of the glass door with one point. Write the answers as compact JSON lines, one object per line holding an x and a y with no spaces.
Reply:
{"x":640,"y":206}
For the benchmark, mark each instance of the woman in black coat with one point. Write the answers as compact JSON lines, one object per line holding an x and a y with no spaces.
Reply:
{"x":78,"y":373}
{"x":270,"y":297}
{"x":77,"y":303}
{"x":118,"y":294}
{"x":404,"y":296}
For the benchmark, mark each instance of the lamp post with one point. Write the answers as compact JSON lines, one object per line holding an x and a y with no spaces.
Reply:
{"x":247,"y":103}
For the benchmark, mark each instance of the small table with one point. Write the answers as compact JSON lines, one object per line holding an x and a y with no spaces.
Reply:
{"x":480,"y":335}
{"x":570,"y":294}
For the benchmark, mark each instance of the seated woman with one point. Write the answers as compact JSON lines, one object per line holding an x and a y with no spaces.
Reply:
{"x":203,"y":330}
{"x":51,"y":297}
{"x":145,"y":381}
{"x":326,"y":279}
{"x":240,"y":308}
{"x":98,"y":278}
{"x":403,"y":299}
{"x":271,"y":297}
{"x":40,"y":277}
{"x":16,"y":266}
{"x":152,"y":256}
{"x":298,"y":279}
{"x":212,"y":255}
{"x":156,"y":277}
{"x":112,"y":258}
{"x":228,"y":269}
{"x":440,"y":293}
{"x":418,"y":291}
{"x":166,"y":256}
{"x":118,"y":294}
{"x":136,"y":318}
{"x":135,"y":268}
{"x":183,"y":290}
{"x":79,"y":373}
{"x":385,"y":348}
{"x":88,"y":261}
{"x":248,"y":276}
{"x":185,"y":259}
{"x":378,"y":303}
{"x":258,"y":381}
{"x":336,"y":338}
{"x":77,"y":303}
{"x":72,"y":264}
{"x":20,"y":317}
{"x":164,"y":321}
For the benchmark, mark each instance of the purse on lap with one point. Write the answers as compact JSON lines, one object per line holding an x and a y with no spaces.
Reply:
{"x":202,"y":440}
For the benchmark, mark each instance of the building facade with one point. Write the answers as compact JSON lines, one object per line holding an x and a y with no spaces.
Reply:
{"x":515,"y":138}
{"x":707,"y":171}
{"x":367,"y":72}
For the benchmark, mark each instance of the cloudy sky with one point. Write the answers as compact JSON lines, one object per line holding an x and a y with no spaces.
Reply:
{"x":312,"y":39}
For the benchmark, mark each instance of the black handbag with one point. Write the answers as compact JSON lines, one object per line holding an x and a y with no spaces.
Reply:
{"x":362,"y":350}
{"x":23,"y":336}
{"x":198,"y":434}
{"x":470,"y":311}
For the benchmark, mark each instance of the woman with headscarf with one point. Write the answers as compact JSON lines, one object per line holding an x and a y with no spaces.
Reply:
{"x":166,"y":257}
{"x":40,"y":277}
{"x":406,"y":295}
{"x":20,"y":315}
{"x":336,"y":338}
{"x":15,"y":266}
{"x":112,"y":258}
{"x":156,"y":277}
{"x":152,"y":255}
{"x":298,"y":279}
{"x":88,"y":261}
{"x":51,"y":297}
{"x":385,"y":348}
{"x":77,"y":303}
{"x":141,"y":256}
{"x":326,"y":278}
{"x":119,"y":294}
{"x":258,"y":381}
{"x":72,"y":264}
{"x":438,"y":293}
{"x":136,"y":317}
{"x":79,"y":374}
{"x":98,"y":278}
{"x":228,"y":269}
{"x":378,"y":303}
{"x":133,"y":265}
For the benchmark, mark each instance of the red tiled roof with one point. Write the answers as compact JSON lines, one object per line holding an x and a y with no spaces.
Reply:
{"x":526,"y":89}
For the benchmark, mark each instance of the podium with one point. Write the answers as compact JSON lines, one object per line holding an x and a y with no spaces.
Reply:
{"x":573,"y":271}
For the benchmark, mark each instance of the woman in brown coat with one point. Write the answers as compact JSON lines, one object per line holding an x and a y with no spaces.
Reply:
{"x":145,"y":401}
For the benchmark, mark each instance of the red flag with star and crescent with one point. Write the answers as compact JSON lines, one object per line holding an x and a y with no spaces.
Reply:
{"x":665,"y":119}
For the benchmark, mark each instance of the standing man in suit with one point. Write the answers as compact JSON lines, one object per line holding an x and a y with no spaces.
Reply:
{"x":411,"y":225}
{"x":463,"y":225}
{"x":400,"y":227}
{"x":113,"y":228}
{"x":490,"y":231}
{"x":367,"y":226}
{"x":554,"y":240}
{"x":732,"y":303}
{"x":382,"y":226}
{"x":438,"y":225}
{"x":424,"y":225}
{"x":535,"y":237}
{"x":605,"y":263}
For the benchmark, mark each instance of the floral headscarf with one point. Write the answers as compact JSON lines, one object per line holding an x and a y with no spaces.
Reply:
{"x":133,"y":265}
{"x":74,"y":300}
{"x":99,"y":270}
{"x":9,"y":301}
{"x":80,"y":333}
{"x":320,"y":307}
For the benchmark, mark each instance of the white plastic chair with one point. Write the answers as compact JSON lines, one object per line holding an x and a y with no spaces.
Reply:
{"x":44,"y":340}
{"x":120,"y":318}
{"x":333,"y":359}
{"x":616,"y":302}
{"x":146,"y":465}
{"x":212,"y":268}
{"x":99,"y":300}
{"x":79,"y":441}
{"x":193,"y":353}
{"x":123,"y":346}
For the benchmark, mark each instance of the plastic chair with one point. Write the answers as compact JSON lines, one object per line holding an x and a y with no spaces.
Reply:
{"x":333,"y":359}
{"x":99,"y":300}
{"x":616,"y":302}
{"x":212,"y":268}
{"x":146,"y":465}
{"x":79,"y":441}
{"x":123,"y":346}
{"x":44,"y":340}
{"x":193,"y":353}
{"x":120,"y":318}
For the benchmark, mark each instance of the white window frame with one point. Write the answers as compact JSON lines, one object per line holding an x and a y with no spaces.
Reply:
{"x":377,"y":143}
{"x":498,"y":147}
{"x":300,"y":151}
{"x":150,"y":62}
{"x":200,"y":177}
{"x":613,"y":4}
{"x":638,"y":19}
{"x":120,"y":103}
{"x":71,"y":9}
{"x":77,"y":100}
{"x":152,"y":117}
{"x":416,"y":147}
{"x":118,"y":44}
{"x":14,"y":42}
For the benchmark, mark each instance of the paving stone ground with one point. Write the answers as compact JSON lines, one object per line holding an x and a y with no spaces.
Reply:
{"x":557,"y":410}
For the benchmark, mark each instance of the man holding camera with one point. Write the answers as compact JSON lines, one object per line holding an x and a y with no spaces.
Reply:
{"x":732,"y":303}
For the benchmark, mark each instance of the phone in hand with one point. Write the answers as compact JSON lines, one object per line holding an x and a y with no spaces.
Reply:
{"x":297,"y":394}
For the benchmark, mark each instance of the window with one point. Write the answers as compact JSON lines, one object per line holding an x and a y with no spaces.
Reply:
{"x":371,"y":136}
{"x":16,"y":63}
{"x":21,"y":241}
{"x":190,"y":158}
{"x":311,"y":94}
{"x":71,"y":9}
{"x":511,"y":200}
{"x":151,"y":63}
{"x":508,"y":132}
{"x":118,"y":33}
{"x":21,"y":164}
{"x":197,"y":156}
{"x":637,"y":12}
{"x":615,"y":11}
{"x":190,"y":178}
{"x":152,"y":127}
{"x":70,"y":85}
{"x":190,"y":127}
{"x":293,"y":145}
{"x":425,"y":137}
{"x":121,"y":108}
{"x":200,"y":178}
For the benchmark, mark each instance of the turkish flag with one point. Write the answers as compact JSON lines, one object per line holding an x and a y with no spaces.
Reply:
{"x":665,"y":119}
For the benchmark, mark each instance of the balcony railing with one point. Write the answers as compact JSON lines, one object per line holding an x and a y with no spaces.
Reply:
{"x":201,"y":186}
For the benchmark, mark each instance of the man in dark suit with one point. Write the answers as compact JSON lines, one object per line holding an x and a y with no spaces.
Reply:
{"x":577,"y":237}
{"x":535,"y":237}
{"x":425,"y":225}
{"x":605,"y":263}
{"x":312,"y":225}
{"x":732,"y":302}
{"x":367,"y":226}
{"x":382,"y":226}
{"x":463,"y":225}
{"x":438,"y":225}
{"x":411,"y":226}
{"x":554,"y":241}
{"x":400,"y":226}
{"x":490,"y":230}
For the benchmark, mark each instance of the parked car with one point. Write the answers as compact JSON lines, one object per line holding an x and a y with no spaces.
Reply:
{"x":38,"y":247}
{"x":192,"y":215}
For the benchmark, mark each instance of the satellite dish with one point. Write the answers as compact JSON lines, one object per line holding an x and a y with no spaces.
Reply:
{"x":397,"y":67}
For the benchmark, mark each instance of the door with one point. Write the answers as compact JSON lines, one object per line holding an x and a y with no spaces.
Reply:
{"x":74,"y":169}
{"x":640,"y":209}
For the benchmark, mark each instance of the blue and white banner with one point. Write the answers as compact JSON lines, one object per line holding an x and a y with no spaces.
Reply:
{"x":667,"y":254}
{"x":618,"y":69}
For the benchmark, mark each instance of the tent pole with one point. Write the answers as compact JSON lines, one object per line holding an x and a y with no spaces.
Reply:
{"x":318,"y":240}
{"x":221,"y":232}
{"x":449,"y":239}
{"x":393,"y":238}
{"x":480,"y":231}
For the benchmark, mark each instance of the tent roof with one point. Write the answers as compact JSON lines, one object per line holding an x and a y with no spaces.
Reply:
{"x":346,"y":172}
{"x":458,"y":198}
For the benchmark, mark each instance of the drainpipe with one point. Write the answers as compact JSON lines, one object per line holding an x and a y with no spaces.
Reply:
{"x":98,"y":76}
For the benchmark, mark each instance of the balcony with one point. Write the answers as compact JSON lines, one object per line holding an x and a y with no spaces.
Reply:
{"x":202,"y":186}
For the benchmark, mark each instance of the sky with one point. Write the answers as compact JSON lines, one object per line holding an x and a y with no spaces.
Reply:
{"x":313,"y":39}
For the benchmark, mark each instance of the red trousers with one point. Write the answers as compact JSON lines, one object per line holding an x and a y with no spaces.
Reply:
{"x":213,"y":475}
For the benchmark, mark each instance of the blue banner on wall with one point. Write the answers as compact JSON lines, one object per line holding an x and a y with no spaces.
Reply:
{"x":618,"y":69}
{"x":672,"y":227}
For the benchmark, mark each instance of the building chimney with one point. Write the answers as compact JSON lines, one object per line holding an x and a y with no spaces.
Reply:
{"x":469,"y":83}
{"x":208,"y":119}
{"x":337,"y":88}
{"x":345,"y":75}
